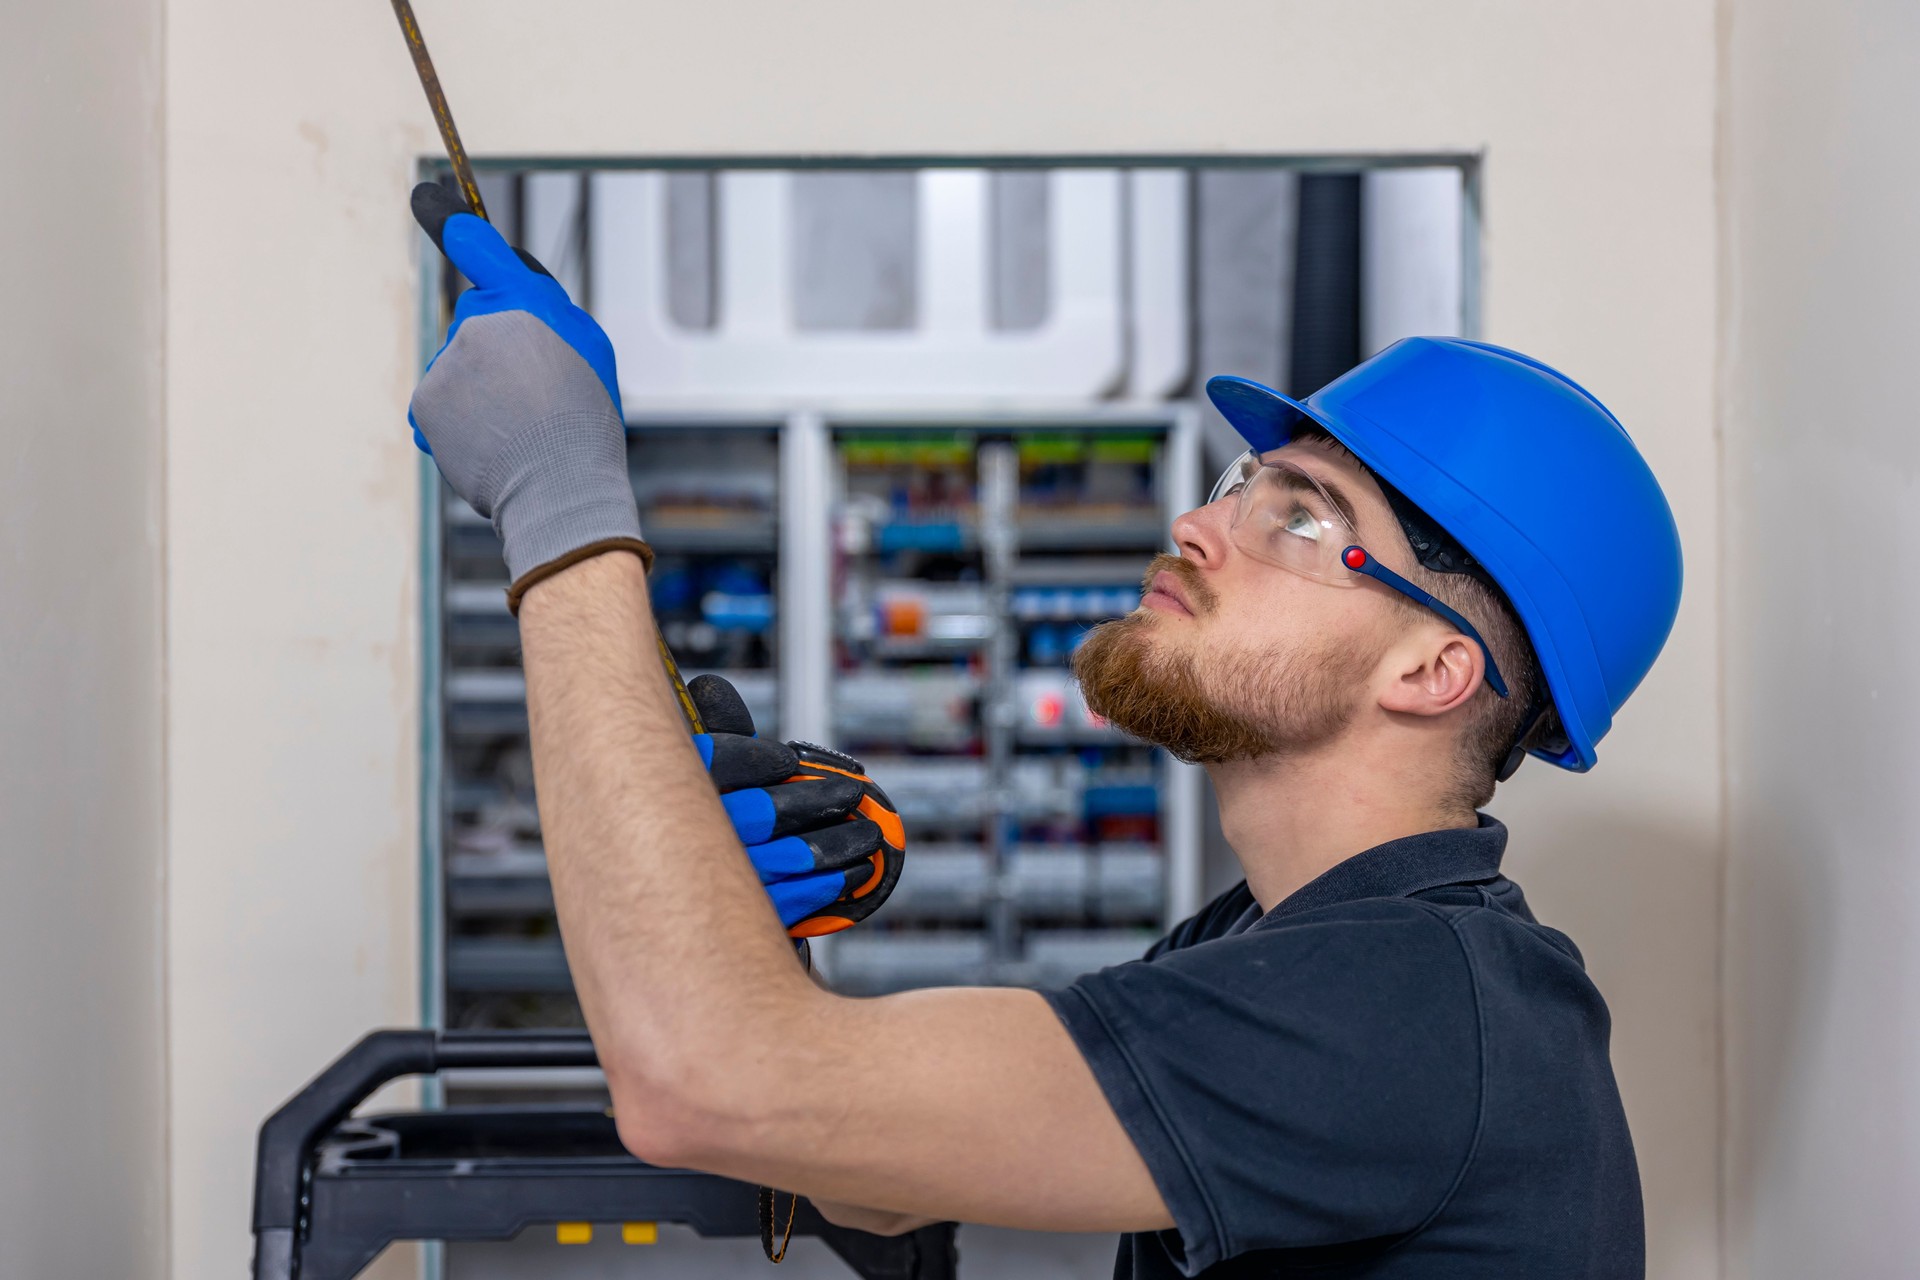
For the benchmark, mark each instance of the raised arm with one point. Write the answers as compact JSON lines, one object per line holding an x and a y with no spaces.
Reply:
{"x":962,"y":1103}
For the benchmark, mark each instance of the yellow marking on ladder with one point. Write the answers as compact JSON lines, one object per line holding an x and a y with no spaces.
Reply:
{"x":574,"y":1233}
{"x":640,"y":1232}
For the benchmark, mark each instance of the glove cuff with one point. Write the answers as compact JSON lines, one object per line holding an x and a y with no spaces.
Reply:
{"x":518,"y":591}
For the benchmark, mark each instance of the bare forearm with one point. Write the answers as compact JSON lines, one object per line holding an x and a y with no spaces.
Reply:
{"x":672,"y":942}
{"x":881,"y":1222}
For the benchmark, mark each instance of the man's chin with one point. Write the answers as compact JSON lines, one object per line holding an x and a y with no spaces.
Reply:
{"x":1144,"y":683}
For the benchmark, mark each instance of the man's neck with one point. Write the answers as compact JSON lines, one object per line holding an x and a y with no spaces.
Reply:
{"x":1290,"y":819}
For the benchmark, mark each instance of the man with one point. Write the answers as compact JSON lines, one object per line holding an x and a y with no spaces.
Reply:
{"x":1366,"y":1060}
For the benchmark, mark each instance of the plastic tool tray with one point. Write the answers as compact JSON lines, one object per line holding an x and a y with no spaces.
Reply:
{"x":330,"y":1191}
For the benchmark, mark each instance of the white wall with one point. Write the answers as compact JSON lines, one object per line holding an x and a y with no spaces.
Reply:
{"x":1822,"y":491}
{"x":291,"y":136}
{"x":292,"y":542}
{"x":82,"y":1053}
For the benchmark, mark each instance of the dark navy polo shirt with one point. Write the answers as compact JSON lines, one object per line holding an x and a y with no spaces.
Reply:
{"x":1397,"y":1072}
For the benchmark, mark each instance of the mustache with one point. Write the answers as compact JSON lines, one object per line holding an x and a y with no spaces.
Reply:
{"x":1199,"y":594}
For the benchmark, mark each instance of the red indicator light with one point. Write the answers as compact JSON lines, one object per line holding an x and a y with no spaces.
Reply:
{"x":1356,"y":558}
{"x":1048,"y":708}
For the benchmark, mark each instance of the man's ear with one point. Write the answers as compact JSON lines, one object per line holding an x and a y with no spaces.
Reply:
{"x":1435,"y":675}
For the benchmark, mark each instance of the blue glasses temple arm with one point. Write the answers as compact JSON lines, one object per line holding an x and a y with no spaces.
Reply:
{"x":1380,"y":573}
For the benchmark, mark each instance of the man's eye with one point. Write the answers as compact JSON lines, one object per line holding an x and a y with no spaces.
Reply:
{"x":1301,"y":524}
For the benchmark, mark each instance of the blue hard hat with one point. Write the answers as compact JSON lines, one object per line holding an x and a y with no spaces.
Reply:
{"x":1535,"y":479}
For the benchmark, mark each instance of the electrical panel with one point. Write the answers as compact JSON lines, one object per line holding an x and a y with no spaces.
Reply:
{"x":946,"y":569}
{"x":969,"y":562}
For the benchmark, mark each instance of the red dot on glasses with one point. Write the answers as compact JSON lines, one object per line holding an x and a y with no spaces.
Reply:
{"x":1355,"y":558}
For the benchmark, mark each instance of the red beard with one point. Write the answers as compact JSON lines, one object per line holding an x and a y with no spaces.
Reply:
{"x":1251,"y":705}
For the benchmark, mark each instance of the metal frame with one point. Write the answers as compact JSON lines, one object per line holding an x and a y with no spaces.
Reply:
{"x":431,"y":709}
{"x":804,"y":563}
{"x":1299,"y":162}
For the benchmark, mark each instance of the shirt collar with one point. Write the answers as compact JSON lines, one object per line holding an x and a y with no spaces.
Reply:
{"x":1401,"y":868}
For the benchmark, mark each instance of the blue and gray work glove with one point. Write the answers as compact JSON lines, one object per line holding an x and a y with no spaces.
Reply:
{"x":521,"y":410}
{"x":521,"y":407}
{"x":826,"y":841}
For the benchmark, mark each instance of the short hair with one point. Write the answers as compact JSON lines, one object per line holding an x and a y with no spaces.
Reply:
{"x":1493,"y":724}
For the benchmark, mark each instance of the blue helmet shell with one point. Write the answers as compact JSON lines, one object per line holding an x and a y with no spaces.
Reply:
{"x":1533,"y":476}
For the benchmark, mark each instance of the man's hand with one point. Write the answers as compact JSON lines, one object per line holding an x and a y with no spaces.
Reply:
{"x":824,"y":839}
{"x":521,"y":407}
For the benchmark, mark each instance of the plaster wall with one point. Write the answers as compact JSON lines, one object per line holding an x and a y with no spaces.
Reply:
{"x":82,"y":1039}
{"x":292,"y":493}
{"x":1821,"y":178}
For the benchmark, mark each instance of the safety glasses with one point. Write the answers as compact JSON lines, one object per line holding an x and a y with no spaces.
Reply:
{"x":1284,"y":517}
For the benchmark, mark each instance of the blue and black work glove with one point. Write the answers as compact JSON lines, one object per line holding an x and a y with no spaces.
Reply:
{"x":521,"y":407}
{"x":824,"y":838}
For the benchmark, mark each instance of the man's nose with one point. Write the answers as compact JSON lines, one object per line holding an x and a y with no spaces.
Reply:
{"x":1201,"y":535}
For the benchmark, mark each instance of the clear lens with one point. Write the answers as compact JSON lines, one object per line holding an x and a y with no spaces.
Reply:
{"x":1283,"y":517}
{"x":1235,"y":475}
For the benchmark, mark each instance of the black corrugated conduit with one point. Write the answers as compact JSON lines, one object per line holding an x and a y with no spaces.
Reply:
{"x":1326,"y":281}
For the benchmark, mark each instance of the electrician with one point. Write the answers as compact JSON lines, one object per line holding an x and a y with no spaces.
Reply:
{"x":1366,"y":1059}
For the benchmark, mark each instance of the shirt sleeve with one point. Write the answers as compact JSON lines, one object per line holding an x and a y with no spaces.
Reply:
{"x":1306,"y":1085}
{"x":1210,"y":921}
